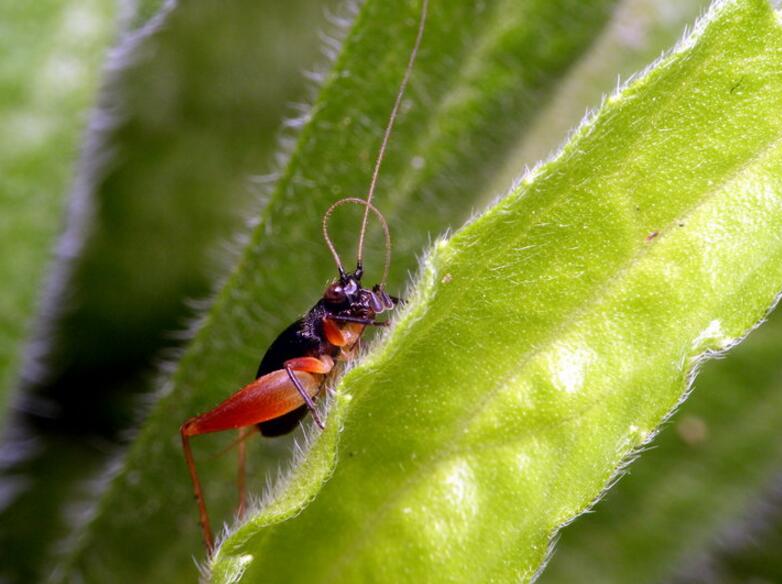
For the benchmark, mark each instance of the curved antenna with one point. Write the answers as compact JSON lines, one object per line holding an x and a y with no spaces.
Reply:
{"x":384,"y":143}
{"x":330,"y":244}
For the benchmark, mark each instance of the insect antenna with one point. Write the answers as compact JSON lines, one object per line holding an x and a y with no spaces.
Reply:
{"x":369,"y":207}
{"x":384,"y":143}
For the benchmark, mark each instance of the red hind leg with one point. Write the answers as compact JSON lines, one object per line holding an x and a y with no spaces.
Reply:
{"x":266,"y":398}
{"x":203,"y":516}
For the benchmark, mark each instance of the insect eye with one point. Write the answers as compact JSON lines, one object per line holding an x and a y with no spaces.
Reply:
{"x":335,"y":293}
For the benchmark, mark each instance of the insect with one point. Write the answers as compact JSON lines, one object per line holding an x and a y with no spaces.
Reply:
{"x":296,"y":366}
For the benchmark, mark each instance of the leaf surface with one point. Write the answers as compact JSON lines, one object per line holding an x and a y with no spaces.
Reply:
{"x":709,"y":468}
{"x":701,"y":486}
{"x":480,"y":76}
{"x":549,"y":338}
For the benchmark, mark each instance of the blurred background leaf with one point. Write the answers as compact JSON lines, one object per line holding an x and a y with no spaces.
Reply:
{"x":195,"y":68}
{"x":51,"y":58}
{"x":168,"y":183}
{"x":746,"y":550}
{"x":52,"y":52}
{"x":165,"y":182}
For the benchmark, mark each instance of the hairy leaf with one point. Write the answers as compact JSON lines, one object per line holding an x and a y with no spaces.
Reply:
{"x":706,"y":478}
{"x":482,"y":71}
{"x":550,"y":337}
{"x":52,"y":52}
{"x":706,"y":471}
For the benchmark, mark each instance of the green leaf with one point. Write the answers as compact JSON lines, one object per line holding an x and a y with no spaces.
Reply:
{"x":52,"y":56}
{"x":52,"y":52}
{"x":550,"y":337}
{"x":639,"y":31}
{"x":702,"y":476}
{"x":164,"y":180}
{"x":483,"y":70}
{"x":168,"y":185}
{"x":712,"y":467}
{"x":684,"y":492}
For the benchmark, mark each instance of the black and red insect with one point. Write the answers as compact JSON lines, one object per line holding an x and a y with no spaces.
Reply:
{"x":296,"y":367}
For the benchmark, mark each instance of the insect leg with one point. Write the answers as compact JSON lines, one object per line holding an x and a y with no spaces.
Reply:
{"x":203,"y":516}
{"x":310,"y":365}
{"x":357,"y":320}
{"x":241,"y":475}
{"x":266,"y":398}
{"x":347,"y":339}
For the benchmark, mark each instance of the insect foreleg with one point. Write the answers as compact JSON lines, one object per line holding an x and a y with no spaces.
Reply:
{"x":357,"y":320}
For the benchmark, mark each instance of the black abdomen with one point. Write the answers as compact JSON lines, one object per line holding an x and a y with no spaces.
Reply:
{"x":291,"y":343}
{"x":294,"y":341}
